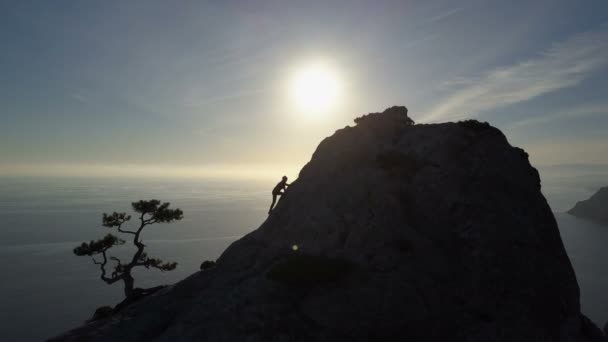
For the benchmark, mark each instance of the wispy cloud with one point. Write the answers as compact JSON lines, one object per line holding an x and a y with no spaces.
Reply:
{"x":81,"y":95}
{"x":446,"y":14}
{"x":563,"y":65}
{"x":569,"y":113}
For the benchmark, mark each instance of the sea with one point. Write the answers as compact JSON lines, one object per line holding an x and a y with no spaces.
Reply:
{"x":46,"y":289}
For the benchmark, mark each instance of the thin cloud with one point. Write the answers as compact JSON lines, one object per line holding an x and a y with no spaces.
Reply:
{"x":229,"y":97}
{"x":564,"y":65}
{"x":81,"y":95}
{"x":446,"y":14}
{"x":575,"y":112}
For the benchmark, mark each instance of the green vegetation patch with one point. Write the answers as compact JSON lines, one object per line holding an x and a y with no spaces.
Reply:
{"x":207,"y":264}
{"x":475,"y":125}
{"x":309,"y":270}
{"x":102,"y":312}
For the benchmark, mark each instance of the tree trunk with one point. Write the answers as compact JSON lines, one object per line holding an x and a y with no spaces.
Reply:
{"x":129,"y":283}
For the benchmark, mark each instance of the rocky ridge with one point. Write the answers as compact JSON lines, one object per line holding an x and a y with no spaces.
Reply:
{"x":404,"y":232}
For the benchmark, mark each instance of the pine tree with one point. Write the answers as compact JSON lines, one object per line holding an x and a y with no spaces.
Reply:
{"x":149,"y":212}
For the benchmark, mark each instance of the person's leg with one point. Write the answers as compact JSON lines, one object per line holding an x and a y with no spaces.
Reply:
{"x":274,"y":199}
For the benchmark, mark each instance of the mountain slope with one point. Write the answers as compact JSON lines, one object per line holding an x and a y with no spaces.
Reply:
{"x":404,"y":232}
{"x":594,"y":208}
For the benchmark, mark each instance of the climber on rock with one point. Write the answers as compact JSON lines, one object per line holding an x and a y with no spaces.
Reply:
{"x":278,"y":190}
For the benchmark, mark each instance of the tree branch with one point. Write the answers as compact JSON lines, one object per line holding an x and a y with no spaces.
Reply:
{"x":151,"y":220}
{"x":115,"y":219}
{"x":102,"y":266}
{"x":159,"y":264}
{"x":125,"y":231}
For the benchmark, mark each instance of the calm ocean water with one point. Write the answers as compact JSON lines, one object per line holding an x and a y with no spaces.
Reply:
{"x":46,"y":289}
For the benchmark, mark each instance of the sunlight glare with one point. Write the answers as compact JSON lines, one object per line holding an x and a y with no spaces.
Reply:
{"x":315,"y":89}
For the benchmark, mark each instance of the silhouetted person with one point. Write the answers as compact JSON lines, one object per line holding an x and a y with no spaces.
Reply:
{"x":278,"y":191}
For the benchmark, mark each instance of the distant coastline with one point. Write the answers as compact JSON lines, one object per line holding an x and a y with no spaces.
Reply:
{"x":595,"y":208}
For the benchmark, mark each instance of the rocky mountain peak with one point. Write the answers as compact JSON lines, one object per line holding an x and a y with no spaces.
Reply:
{"x":392,"y":231}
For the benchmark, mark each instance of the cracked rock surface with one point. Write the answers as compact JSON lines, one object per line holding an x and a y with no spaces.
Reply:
{"x":446,"y":232}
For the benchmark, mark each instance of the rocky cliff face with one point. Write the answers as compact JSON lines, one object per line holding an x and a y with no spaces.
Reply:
{"x":595,"y":208}
{"x":403,"y":232}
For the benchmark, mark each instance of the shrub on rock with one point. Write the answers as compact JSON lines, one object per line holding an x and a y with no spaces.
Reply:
{"x":309,"y":270}
{"x":207,"y":264}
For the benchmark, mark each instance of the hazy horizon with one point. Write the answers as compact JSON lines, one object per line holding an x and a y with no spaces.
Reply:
{"x":243,"y":172}
{"x":44,"y":220}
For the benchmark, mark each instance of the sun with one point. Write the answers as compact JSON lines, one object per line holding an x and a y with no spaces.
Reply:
{"x":315,"y":89}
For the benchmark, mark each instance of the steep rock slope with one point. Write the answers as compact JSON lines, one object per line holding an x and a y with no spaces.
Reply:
{"x":595,"y":208}
{"x":404,"y":232}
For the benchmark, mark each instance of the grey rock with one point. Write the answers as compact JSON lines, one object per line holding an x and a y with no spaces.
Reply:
{"x":590,"y":331}
{"x":595,"y":208}
{"x":445,"y":226}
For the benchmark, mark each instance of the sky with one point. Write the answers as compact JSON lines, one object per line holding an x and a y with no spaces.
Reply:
{"x":202,"y":87}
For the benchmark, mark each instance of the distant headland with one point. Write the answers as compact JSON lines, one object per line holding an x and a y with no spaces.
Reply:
{"x":595,"y":208}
